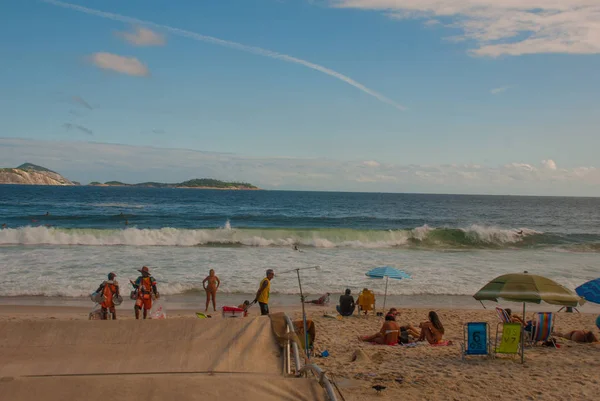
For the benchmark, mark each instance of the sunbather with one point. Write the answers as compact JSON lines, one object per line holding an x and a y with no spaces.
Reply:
{"x":579,"y":336}
{"x":432,"y":330}
{"x":514,"y":318}
{"x":324,"y":299}
{"x":388,"y":334}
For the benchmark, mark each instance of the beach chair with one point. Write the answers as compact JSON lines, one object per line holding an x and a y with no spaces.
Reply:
{"x":510,"y":339}
{"x":366,"y":301}
{"x":476,"y":339}
{"x":503,"y":315}
{"x":543,"y":325}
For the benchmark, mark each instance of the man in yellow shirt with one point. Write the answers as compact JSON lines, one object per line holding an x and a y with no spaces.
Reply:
{"x":262,"y":295}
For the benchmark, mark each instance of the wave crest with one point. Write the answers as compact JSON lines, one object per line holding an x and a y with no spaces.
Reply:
{"x":475,"y":236}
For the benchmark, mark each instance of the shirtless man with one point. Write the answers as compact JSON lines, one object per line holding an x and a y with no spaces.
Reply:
{"x":211,"y":284}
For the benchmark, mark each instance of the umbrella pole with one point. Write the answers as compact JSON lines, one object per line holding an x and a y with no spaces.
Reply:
{"x":303,"y":315}
{"x":385,"y":296}
{"x":523,"y":337}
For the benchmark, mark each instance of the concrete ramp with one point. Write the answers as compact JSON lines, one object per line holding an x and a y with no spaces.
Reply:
{"x":180,"y":359}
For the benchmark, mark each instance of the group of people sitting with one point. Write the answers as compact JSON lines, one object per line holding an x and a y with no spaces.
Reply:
{"x":579,"y":336}
{"x":392,"y":333}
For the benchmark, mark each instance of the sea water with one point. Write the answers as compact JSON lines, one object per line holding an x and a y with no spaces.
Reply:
{"x":62,"y":241}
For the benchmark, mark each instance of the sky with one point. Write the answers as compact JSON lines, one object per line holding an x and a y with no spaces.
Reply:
{"x":459,"y":96}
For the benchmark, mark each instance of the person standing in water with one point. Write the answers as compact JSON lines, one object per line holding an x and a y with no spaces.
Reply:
{"x":146,"y":286}
{"x":264,"y":290}
{"x":211,"y":284}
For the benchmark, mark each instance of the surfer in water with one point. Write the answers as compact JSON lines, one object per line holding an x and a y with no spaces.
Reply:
{"x":211,"y":284}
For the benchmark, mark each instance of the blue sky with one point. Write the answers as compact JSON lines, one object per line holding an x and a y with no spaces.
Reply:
{"x":483,"y":83}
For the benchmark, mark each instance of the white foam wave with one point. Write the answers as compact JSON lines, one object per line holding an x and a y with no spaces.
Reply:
{"x":332,"y":238}
{"x":119,"y":205}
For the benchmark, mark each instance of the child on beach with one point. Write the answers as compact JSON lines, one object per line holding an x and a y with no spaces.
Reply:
{"x":211,"y":284}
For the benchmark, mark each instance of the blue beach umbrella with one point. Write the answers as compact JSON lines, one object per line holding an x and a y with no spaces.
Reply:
{"x":590,"y":291}
{"x":388,"y":272}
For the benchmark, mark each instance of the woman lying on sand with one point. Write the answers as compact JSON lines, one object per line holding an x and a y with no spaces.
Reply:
{"x":388,"y":334}
{"x":579,"y":336}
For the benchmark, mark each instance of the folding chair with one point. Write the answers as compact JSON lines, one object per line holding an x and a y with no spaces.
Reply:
{"x":476,"y":339}
{"x":503,"y":315}
{"x":543,"y":325}
{"x":510,"y":339}
{"x":366,"y":301}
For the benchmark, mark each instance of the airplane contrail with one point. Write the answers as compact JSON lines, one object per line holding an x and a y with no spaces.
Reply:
{"x":234,"y":45}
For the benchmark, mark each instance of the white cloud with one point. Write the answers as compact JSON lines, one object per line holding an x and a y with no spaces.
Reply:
{"x":88,"y":161}
{"x":143,"y":37}
{"x":549,"y":164}
{"x":371,"y":163}
{"x":496,"y":91}
{"x":505,"y":27}
{"x":120,"y":64}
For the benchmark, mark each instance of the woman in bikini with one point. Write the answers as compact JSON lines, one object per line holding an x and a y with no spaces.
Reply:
{"x":211,"y":284}
{"x":579,"y":336}
{"x":388,"y":334}
{"x":432,"y":330}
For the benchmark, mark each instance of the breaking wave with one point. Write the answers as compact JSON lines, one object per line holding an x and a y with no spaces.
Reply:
{"x":474,"y":236}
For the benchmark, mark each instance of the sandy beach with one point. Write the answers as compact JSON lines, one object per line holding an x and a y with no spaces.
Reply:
{"x":422,"y":372}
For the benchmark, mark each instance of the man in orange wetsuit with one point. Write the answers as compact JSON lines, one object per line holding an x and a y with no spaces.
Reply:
{"x":146,"y":286}
{"x":109,"y":289}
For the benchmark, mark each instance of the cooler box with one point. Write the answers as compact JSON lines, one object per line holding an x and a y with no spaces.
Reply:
{"x":231,"y":311}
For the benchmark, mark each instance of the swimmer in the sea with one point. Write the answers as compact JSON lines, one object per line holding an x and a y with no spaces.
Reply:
{"x":520,"y":232}
{"x":3,"y":225}
{"x":47,"y":213}
{"x":126,"y":222}
{"x":296,"y":248}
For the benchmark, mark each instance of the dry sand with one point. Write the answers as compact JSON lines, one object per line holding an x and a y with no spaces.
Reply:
{"x":427,"y":373}
{"x":438,"y":373}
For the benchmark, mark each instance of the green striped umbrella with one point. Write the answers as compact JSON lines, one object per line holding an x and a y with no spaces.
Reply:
{"x":525,"y":287}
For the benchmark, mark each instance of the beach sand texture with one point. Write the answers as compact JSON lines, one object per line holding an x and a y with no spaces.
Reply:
{"x":437,"y":373}
{"x":427,"y":373}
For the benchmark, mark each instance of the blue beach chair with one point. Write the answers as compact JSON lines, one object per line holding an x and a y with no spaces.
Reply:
{"x":476,"y":339}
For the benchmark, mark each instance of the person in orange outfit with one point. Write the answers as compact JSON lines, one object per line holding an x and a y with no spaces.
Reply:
{"x":146,"y":286}
{"x":109,"y":289}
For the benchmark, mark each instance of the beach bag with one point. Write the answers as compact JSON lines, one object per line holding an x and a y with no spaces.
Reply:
{"x":96,"y":313}
{"x":403,"y":338}
{"x":117,"y":300}
{"x":159,"y":313}
{"x":133,"y":295}
{"x":97,"y":297}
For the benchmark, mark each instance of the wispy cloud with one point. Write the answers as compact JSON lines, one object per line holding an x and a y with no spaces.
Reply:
{"x":142,"y":37}
{"x":505,"y":27}
{"x":371,"y":163}
{"x":120,"y":64}
{"x":158,"y":131}
{"x":80,"y":128}
{"x":501,"y":89}
{"x":88,"y":161}
{"x":234,"y":45}
{"x":80,"y":101}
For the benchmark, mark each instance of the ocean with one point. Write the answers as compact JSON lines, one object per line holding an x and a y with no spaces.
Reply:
{"x":451,"y":245}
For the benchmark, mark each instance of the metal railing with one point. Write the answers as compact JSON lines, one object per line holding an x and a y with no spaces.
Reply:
{"x":300,"y":371}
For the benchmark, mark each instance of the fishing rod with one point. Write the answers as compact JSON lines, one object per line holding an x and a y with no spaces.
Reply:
{"x":297,"y":270}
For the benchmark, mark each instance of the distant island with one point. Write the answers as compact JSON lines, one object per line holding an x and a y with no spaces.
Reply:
{"x":31,"y":174}
{"x":199,"y":183}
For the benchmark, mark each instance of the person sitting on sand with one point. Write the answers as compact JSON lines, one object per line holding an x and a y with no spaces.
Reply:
{"x":579,"y":336}
{"x":324,"y":299}
{"x":211,"y":284}
{"x":346,"y":306}
{"x":388,"y":334}
{"x":109,"y":289}
{"x":245,"y":305}
{"x":405,"y":330}
{"x":431,"y":330}
{"x":146,"y":286}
